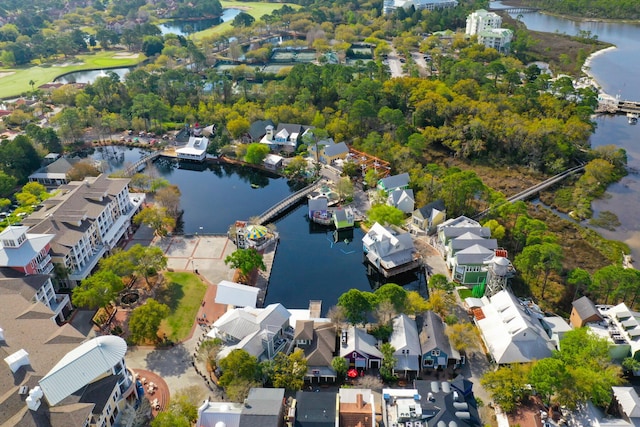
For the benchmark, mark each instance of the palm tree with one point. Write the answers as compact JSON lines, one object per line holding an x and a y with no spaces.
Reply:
{"x":32,"y":83}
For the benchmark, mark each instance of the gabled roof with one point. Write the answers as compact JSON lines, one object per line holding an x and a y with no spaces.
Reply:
{"x":426,"y":211}
{"x":432,"y":336}
{"x":336,"y":149}
{"x":475,"y":254}
{"x":394,"y":181}
{"x":399,"y":195}
{"x":236,"y":294}
{"x":323,"y":346}
{"x":82,"y":366}
{"x":259,"y":128}
{"x":359,"y":340}
{"x":512,"y":332}
{"x":21,"y":256}
{"x":585,"y":308}
{"x":316,"y":409}
{"x":241,"y":322}
{"x":405,"y":337}
{"x":303,"y":330}
{"x":263,"y":407}
{"x":318,"y":204}
{"x":629,"y":400}
{"x":443,"y":405}
{"x":469,"y":239}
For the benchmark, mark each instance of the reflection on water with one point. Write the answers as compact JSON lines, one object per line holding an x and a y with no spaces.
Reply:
{"x":184,"y":27}
{"x":91,"y":75}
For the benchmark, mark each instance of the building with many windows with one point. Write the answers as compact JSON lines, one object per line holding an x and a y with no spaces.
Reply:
{"x":481,"y":20}
{"x":88,"y":218}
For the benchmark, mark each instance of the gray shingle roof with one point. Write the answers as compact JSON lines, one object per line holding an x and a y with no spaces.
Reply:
{"x":395,"y":181}
{"x":585,"y":308}
{"x":425,"y":211}
{"x":432,"y":334}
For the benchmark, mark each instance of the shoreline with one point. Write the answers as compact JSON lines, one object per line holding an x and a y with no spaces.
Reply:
{"x":586,"y":67}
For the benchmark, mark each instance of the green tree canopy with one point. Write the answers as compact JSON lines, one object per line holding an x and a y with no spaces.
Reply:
{"x":289,"y":371}
{"x":388,"y":362}
{"x":98,"y":290}
{"x":256,"y":153}
{"x":145,"y":320}
{"x":236,"y":366}
{"x":157,"y":219}
{"x":385,"y":215}
{"x":148,"y":260}
{"x":245,"y":260}
{"x":393,"y":293}
{"x":356,"y":305}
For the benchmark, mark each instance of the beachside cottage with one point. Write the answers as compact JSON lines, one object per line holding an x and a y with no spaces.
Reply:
{"x":390,"y":252}
{"x":428,"y":217}
{"x":437,"y":352}
{"x":394,"y":182}
{"x":406,"y":342}
{"x":195,"y":150}
{"x":402,"y":199}
{"x":360,"y":349}
{"x":286,"y":138}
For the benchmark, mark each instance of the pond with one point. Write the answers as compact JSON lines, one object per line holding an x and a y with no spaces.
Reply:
{"x":184,"y":27}
{"x":311,"y":262}
{"x":89,"y":76}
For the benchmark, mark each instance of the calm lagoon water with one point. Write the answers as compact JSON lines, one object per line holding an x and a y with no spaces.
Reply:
{"x":90,"y":76}
{"x":312,"y":262}
{"x":183,"y":27}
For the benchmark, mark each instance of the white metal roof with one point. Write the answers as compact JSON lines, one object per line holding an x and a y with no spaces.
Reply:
{"x":405,"y":335}
{"x":236,"y":294}
{"x":26,"y":252}
{"x":628,"y":398}
{"x":241,"y":322}
{"x":81,"y":366}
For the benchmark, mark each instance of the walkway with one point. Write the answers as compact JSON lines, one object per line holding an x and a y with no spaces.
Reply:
{"x":288,"y":202}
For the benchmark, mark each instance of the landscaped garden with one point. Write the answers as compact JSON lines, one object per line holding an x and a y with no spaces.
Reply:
{"x":183,"y":294}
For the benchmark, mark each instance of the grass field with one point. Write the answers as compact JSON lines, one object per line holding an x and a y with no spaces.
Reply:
{"x":183,"y":294}
{"x":15,"y":81}
{"x":464,"y":293}
{"x":255,"y":9}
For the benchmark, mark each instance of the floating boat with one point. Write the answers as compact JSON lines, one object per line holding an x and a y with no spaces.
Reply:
{"x":632,"y":118}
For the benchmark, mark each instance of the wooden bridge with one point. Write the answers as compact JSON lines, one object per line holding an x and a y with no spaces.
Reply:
{"x":517,"y":10}
{"x":135,"y":168}
{"x":535,"y":189}
{"x":290,"y":201}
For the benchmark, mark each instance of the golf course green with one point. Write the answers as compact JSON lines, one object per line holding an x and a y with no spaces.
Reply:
{"x":15,"y":81}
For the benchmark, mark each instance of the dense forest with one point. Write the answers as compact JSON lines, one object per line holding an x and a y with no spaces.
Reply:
{"x":620,"y":9}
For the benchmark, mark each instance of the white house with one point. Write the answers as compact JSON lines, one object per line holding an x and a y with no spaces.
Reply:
{"x":236,"y":294}
{"x":285,"y":138}
{"x":406,"y":341}
{"x":621,"y":327}
{"x":390,"y":252}
{"x":481,"y":20}
{"x":402,"y":199}
{"x":195,"y":150}
{"x":511,"y":331}
{"x":496,"y":38}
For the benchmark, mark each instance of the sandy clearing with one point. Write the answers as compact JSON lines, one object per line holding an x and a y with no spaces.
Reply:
{"x":126,"y":55}
{"x":6,"y":73}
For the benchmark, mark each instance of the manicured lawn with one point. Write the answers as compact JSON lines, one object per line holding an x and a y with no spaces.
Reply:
{"x":255,"y":9}
{"x":464,"y":293}
{"x":18,"y":82}
{"x":183,"y":294}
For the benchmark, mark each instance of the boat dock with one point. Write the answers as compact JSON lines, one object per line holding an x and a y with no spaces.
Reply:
{"x":614,"y":105}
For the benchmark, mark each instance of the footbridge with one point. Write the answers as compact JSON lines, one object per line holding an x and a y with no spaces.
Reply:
{"x":288,"y":202}
{"x":517,"y":10}
{"x":535,"y":189}
{"x":137,"y":166}
{"x":615,"y":105}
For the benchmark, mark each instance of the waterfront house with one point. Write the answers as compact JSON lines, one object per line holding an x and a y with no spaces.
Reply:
{"x":343,"y":217}
{"x":54,"y":174}
{"x":285,"y":138}
{"x":357,"y":407}
{"x":273,"y":162}
{"x":465,"y":241}
{"x":316,"y":409}
{"x":236,"y":295}
{"x":436,"y":350}
{"x":318,"y":210}
{"x":406,"y":342}
{"x":584,"y":311}
{"x":402,"y":199}
{"x":428,"y":217}
{"x":360,"y":349}
{"x":393,"y":182}
{"x":390,"y":252}
{"x":318,"y":341}
{"x":448,"y":403}
{"x":195,"y":150}
{"x":511,"y":331}
{"x":88,"y":219}
{"x":257,"y":130}
{"x":455,"y":227}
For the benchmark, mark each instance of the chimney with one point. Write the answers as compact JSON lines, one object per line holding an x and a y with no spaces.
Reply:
{"x":359,"y":401}
{"x":17,"y":360}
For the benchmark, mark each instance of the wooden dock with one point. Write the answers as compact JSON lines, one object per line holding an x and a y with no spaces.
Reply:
{"x":614,"y":105}
{"x":137,"y":166}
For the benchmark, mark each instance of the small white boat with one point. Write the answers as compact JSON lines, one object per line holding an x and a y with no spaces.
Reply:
{"x":632,"y":118}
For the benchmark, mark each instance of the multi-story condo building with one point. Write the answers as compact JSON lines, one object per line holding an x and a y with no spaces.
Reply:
{"x":88,"y":219}
{"x":481,"y":20}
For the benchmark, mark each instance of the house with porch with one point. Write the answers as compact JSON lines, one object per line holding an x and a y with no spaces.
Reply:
{"x":195,"y":150}
{"x":428,"y":217}
{"x":317,"y":338}
{"x":360,"y":349}
{"x":285,"y":138}
{"x":393,"y":182}
{"x":455,"y":227}
{"x":330,"y":153}
{"x":437,"y":352}
{"x":465,"y":241}
{"x":402,"y":199}
{"x":88,"y":218}
{"x":406,"y":341}
{"x":54,"y":174}
{"x":257,"y":130}
{"x":468,"y":265}
{"x":259,"y":331}
{"x":391,"y":252}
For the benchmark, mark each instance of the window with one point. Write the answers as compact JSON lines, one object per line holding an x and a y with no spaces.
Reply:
{"x":435,"y":352}
{"x":428,"y":362}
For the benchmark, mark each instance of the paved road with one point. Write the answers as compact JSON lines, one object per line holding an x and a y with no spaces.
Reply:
{"x":394,"y":64}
